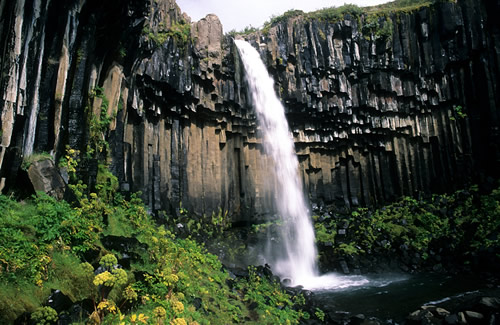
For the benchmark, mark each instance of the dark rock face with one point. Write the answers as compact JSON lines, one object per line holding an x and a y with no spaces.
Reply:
{"x":373,"y":117}
{"x":378,"y":117}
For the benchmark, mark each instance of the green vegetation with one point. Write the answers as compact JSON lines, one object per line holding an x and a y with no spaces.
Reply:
{"x":464,"y":224}
{"x":458,"y":113}
{"x":202,"y":228}
{"x":401,"y":5}
{"x":245,"y":31}
{"x":45,"y":315}
{"x":334,"y":14}
{"x":47,"y":244}
{"x":27,"y":161}
{"x":267,"y":293}
{"x":98,"y":125}
{"x":379,"y":25}
{"x":376,"y":19}
{"x":282,"y":18}
{"x":180,"y":32}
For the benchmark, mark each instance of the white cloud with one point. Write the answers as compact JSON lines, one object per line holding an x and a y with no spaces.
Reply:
{"x":237,"y":14}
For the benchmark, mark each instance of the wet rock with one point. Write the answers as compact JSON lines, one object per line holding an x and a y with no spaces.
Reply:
{"x":436,"y":311}
{"x":461,"y":318}
{"x":59,"y":301}
{"x":357,"y":319}
{"x":438,"y":268}
{"x":264,"y":271}
{"x":371,"y":321}
{"x":237,"y":272}
{"x":473,"y":317}
{"x":452,"y":319}
{"x":441,"y":313}
{"x":420,"y":317}
{"x":339,"y":317}
{"x":489,"y":304}
{"x":345,"y":268}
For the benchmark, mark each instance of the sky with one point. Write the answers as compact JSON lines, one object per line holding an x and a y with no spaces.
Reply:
{"x":237,"y":14}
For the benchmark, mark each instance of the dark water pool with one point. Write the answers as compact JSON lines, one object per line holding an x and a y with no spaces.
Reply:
{"x":394,"y":296}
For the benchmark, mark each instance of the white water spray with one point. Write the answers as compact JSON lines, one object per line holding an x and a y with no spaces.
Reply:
{"x":297,"y":261}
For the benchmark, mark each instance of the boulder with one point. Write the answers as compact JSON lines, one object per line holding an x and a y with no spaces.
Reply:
{"x":45,"y":177}
{"x":473,"y":317}
{"x":489,"y":304}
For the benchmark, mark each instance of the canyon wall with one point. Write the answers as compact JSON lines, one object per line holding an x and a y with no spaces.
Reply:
{"x":397,"y":105}
{"x":373,"y":116}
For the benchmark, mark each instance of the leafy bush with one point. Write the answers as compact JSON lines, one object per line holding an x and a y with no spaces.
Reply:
{"x":334,"y":14}
{"x":282,"y":18}
{"x":180,"y":32}
{"x":245,"y":31}
{"x":268,"y":295}
{"x":45,"y":315}
{"x":466,"y":221}
{"x":379,"y":25}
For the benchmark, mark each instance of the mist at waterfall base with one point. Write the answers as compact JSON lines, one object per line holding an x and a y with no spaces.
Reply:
{"x":294,"y":254}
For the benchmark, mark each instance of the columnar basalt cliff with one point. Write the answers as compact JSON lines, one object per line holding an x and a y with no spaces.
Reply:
{"x":373,"y":116}
{"x":379,"y":115}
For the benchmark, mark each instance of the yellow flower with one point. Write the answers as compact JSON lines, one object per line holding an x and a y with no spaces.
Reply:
{"x":143,"y":319}
{"x":139,"y":319}
{"x":102,"y":305}
{"x":160,"y":312}
{"x":104,"y":278}
{"x":178,"y":307}
{"x":130,"y":294}
{"x":178,"y":321}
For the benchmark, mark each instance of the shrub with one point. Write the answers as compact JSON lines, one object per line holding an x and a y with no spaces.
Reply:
{"x":45,"y":315}
{"x":334,"y":14}
{"x":180,"y":32}
{"x":471,"y":224}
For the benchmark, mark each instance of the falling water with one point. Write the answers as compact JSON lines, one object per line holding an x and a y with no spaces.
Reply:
{"x":297,"y":231}
{"x":297,"y":258}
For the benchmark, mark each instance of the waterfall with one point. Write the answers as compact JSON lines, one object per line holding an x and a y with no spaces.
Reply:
{"x":297,"y":233}
{"x":296,"y":256}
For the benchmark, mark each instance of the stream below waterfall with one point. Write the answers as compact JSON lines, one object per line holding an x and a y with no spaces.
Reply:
{"x":392,"y":297}
{"x":385,"y":296}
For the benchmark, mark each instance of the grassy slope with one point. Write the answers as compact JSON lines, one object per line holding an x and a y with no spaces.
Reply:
{"x":45,"y":244}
